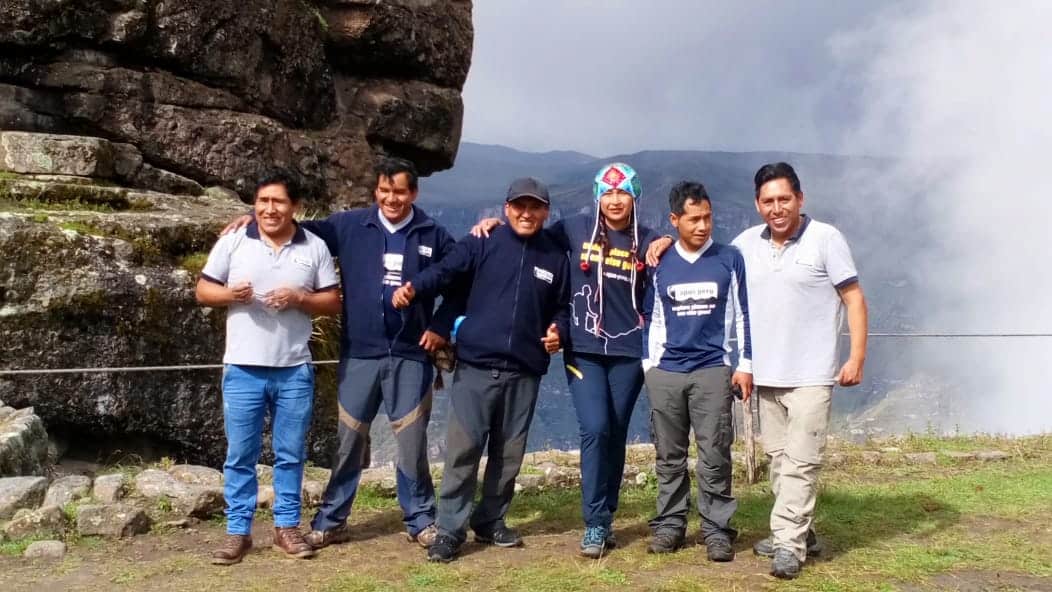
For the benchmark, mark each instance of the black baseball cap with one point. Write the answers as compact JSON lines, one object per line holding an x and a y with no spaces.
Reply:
{"x":528,"y":187}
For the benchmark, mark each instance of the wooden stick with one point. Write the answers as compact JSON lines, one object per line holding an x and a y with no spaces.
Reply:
{"x":750,"y":442}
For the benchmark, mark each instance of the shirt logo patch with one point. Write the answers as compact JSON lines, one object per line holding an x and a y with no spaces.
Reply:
{"x":693,"y":291}
{"x":543,"y":274}
{"x":392,"y":269}
{"x":301,"y":261}
{"x":424,"y":251}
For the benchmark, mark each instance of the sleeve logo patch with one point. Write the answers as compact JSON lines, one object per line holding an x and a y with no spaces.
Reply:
{"x":424,"y":250}
{"x":543,"y":274}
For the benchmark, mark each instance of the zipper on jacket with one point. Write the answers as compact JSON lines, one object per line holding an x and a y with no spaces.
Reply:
{"x":518,"y":288}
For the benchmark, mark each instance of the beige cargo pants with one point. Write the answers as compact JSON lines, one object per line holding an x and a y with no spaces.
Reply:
{"x":793,"y":426}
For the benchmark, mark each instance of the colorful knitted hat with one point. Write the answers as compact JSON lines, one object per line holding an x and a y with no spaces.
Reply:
{"x":617,"y":176}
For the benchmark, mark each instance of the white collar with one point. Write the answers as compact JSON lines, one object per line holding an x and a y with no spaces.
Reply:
{"x":395,"y":227}
{"x":692,"y":256}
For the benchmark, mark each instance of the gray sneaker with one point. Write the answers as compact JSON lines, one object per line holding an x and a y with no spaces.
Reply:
{"x":765,"y":547}
{"x":785,"y":565}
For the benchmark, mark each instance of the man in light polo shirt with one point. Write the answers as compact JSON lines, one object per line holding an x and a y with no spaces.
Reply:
{"x":271,"y":275}
{"x":801,"y":279}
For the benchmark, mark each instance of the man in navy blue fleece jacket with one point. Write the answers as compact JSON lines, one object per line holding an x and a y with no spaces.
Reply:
{"x":383,"y":351}
{"x":517,"y":309}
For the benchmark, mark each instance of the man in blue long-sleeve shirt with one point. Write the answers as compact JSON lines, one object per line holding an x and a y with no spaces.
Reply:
{"x":695,"y":301}
{"x":517,"y":309}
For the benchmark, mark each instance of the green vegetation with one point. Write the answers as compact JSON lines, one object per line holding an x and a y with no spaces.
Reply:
{"x":895,"y":526}
{"x":17,"y":546}
{"x":194,"y":262}
{"x":82,"y":227}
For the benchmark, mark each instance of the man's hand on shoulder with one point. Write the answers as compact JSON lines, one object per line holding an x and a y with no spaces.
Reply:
{"x":484,"y":227}
{"x":657,"y":248}
{"x":239,"y":223}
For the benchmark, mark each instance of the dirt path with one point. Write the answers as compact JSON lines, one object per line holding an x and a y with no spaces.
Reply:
{"x":377,"y":559}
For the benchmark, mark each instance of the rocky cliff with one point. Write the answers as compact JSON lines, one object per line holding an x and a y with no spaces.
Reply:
{"x":115,"y":116}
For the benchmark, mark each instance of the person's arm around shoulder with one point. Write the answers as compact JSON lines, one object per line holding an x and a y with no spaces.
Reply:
{"x":742,"y":377}
{"x":559,"y":329}
{"x":842,"y":273}
{"x":454,"y":300}
{"x":656,"y":249}
{"x":212,"y":288}
{"x":461,"y":259}
{"x":328,"y":229}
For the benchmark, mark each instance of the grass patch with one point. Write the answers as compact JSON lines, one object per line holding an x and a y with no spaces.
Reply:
{"x":356,"y":583}
{"x":82,"y":228}
{"x":194,"y":262}
{"x":16,"y":547}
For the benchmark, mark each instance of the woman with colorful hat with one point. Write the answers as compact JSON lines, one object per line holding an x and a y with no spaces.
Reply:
{"x":605,"y":347}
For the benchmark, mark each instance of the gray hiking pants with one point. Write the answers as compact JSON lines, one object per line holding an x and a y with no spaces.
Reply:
{"x":678,"y":402}
{"x":488,"y":408}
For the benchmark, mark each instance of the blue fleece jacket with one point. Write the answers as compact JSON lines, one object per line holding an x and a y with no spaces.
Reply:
{"x":519,"y":286}
{"x":358,"y":239}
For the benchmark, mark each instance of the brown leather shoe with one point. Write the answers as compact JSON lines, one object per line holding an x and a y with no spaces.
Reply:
{"x":233,"y":549}
{"x":425,"y":537}
{"x":323,"y":538}
{"x":289,"y":541}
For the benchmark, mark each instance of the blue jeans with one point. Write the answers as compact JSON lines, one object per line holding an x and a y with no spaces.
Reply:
{"x":249,"y":392}
{"x":604,"y":390}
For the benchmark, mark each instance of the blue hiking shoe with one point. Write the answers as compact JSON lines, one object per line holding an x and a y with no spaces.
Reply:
{"x":594,"y":541}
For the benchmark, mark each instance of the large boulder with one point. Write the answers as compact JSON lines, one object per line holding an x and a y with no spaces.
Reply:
{"x":175,"y":96}
{"x":110,"y":488}
{"x":17,"y":493}
{"x":23,"y":442}
{"x":112,"y":520}
{"x":218,"y":90}
{"x":67,"y":489}
{"x":112,"y":287}
{"x":43,"y":522}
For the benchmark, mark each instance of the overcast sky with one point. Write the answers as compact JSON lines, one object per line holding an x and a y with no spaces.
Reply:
{"x":614,"y":76}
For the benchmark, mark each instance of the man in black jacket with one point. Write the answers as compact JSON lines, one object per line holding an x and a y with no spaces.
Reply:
{"x":516,"y":311}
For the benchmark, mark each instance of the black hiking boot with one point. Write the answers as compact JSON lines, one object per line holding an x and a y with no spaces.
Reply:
{"x":501,"y":536}
{"x":665,"y":541}
{"x":444,"y":549}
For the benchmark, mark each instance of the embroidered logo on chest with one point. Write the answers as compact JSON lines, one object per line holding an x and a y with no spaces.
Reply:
{"x":424,"y":250}
{"x":543,"y":274}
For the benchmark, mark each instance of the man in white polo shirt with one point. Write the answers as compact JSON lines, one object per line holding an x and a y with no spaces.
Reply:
{"x":800,"y":278}
{"x":271,"y":275}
